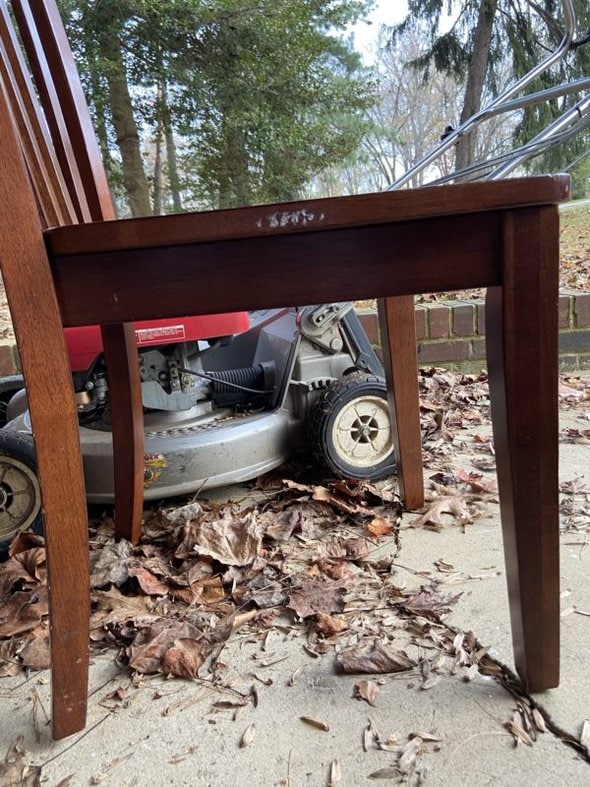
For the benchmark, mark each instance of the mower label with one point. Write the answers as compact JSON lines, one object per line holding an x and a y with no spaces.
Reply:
{"x":154,"y":465}
{"x":159,"y":334}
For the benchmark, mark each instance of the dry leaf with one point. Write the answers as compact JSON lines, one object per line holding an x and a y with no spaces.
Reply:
{"x":453,"y":506}
{"x":384,"y":773}
{"x":328,"y":626}
{"x":366,"y":690}
{"x":335,"y":774}
{"x":35,"y":654}
{"x":109,"y":565}
{"x":444,"y":567}
{"x":539,"y":720}
{"x":316,"y":596}
{"x":431,"y":681}
{"x":379,"y":527}
{"x":515,"y":728}
{"x":319,"y":725}
{"x":355,"y":548}
{"x":293,"y":679}
{"x":248,"y":736}
{"x":10,"y":664}
{"x":429,"y":603}
{"x":169,"y":647}
{"x":409,"y":754}
{"x":22,"y":612}
{"x":148,"y":583}
{"x":379,"y":659}
{"x":232,"y":540}
{"x":14,"y":772}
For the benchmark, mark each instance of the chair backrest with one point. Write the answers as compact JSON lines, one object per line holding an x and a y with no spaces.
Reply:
{"x":69,"y":184}
{"x":56,"y":133}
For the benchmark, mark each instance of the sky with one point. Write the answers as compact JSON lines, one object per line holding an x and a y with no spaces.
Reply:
{"x":386,"y":12}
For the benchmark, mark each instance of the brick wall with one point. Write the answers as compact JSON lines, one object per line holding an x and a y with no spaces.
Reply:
{"x":453,"y":333}
{"x":449,"y":334}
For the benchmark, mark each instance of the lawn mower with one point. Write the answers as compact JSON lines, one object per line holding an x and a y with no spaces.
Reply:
{"x":226,"y":398}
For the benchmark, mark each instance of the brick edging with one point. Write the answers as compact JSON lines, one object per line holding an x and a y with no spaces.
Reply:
{"x":449,"y":333}
{"x":452,"y":333}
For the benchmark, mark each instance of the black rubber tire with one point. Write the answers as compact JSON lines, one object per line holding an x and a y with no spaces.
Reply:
{"x":18,"y":473}
{"x":8,"y":387}
{"x":353,"y":414}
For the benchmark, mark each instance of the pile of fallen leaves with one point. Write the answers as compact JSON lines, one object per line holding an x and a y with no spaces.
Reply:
{"x":203,"y":571}
{"x":310,"y":558}
{"x":200,"y":572}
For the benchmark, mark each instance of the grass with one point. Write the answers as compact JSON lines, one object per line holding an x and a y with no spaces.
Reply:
{"x":574,"y":268}
{"x":575,"y":247}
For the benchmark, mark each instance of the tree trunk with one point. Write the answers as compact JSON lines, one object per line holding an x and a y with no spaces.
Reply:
{"x":157,"y":197}
{"x":172,"y":170}
{"x":127,"y":135}
{"x":476,"y":76}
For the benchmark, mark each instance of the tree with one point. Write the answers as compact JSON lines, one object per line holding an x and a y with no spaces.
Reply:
{"x":215,"y":103}
{"x":483,"y":35}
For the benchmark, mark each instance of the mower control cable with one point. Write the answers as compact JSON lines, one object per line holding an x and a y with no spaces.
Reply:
{"x":212,"y":379}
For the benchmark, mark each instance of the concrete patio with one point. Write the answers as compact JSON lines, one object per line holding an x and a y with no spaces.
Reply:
{"x":153,"y":731}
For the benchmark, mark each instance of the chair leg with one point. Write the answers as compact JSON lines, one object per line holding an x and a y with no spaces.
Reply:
{"x":38,"y":329}
{"x":522,"y":333}
{"x":398,"y":342}
{"x":66,"y":539}
{"x":120,"y":350}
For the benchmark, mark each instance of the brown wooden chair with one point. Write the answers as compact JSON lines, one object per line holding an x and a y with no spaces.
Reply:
{"x":67,"y":262}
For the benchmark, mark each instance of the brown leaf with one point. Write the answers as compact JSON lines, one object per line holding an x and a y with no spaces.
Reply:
{"x":21,"y":612}
{"x":27,"y":568}
{"x":232,"y":540}
{"x":14,"y":772}
{"x":431,"y":681}
{"x":454,"y":506}
{"x":35,"y":654}
{"x":150,"y":651}
{"x":355,"y":548}
{"x":378,"y":660}
{"x":113,"y":607}
{"x":284,"y":524}
{"x":384,"y":773}
{"x":185,"y":657}
{"x":109,"y":565}
{"x":515,"y":728}
{"x":25,"y":541}
{"x":328,"y":626}
{"x":10,"y":664}
{"x":209,"y":591}
{"x":379,"y":527}
{"x":429,"y":603}
{"x":316,"y":596}
{"x":366,"y":690}
{"x":319,"y":725}
{"x":148,"y":583}
{"x":271,"y":594}
{"x":444,"y":567}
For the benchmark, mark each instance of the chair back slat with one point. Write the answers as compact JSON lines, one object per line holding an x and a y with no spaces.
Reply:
{"x":53,"y":200}
{"x":64,"y":104}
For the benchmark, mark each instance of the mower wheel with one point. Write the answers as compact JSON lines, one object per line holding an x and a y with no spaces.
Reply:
{"x":350,"y":428}
{"x":8,"y":387}
{"x":20,"y":494}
